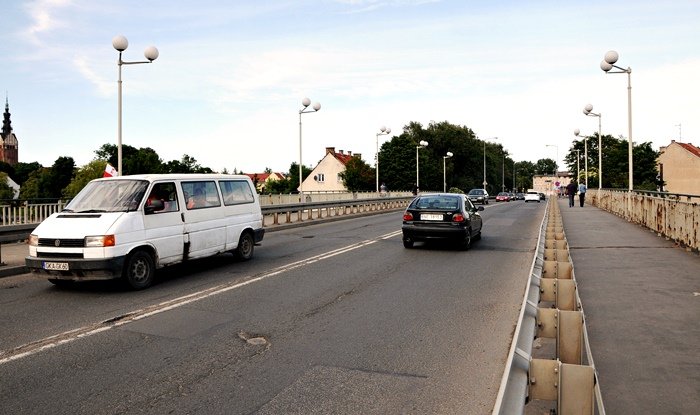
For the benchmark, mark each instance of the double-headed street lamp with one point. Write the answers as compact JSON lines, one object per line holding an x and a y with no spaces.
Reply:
{"x":420,"y":145}
{"x":305,"y":103}
{"x":382,"y":131}
{"x":444,"y":170}
{"x":151,"y":53}
{"x":607,"y":65}
{"x":492,"y":138}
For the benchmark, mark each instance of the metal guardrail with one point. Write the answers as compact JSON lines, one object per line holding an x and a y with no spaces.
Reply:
{"x":19,"y":221}
{"x":559,"y":375}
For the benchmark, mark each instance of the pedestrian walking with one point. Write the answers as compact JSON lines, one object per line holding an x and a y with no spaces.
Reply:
{"x":571,"y":191}
{"x":581,"y":193}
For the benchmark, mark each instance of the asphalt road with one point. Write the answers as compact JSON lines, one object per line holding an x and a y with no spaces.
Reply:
{"x":329,"y":318}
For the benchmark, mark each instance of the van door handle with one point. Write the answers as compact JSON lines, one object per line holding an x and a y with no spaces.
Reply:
{"x":182,"y":216}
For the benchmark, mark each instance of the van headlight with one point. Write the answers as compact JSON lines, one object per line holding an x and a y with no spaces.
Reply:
{"x":33,"y":240}
{"x":100,"y":241}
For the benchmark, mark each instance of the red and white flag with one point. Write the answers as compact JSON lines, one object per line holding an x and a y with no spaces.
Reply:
{"x":110,"y":171}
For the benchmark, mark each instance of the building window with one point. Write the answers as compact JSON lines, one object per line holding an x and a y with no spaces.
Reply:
{"x":320,"y":178}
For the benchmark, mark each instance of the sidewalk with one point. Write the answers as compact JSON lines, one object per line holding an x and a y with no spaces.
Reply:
{"x":12,"y":259}
{"x":641,"y":299}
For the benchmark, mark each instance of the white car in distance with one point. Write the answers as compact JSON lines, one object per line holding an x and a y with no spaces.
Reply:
{"x":532,"y":196}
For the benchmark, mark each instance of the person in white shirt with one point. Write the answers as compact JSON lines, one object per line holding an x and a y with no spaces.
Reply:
{"x":581,"y":193}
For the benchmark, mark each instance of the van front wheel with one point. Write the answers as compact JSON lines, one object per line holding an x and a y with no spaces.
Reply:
{"x":139,"y":269}
{"x":246,"y":245}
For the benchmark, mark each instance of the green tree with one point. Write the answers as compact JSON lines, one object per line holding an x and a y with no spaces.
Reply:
{"x":358,"y":175}
{"x":6,"y":192}
{"x":291,"y":183}
{"x":615,"y":161}
{"x":23,"y":170}
{"x":185,"y":165}
{"x":93,"y":170}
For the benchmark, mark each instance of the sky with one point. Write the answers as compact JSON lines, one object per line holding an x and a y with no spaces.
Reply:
{"x":228,"y":84}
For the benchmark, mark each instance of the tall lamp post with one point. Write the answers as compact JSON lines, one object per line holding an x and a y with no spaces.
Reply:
{"x":444,"y":171}
{"x":305,"y":103}
{"x":578,"y":166}
{"x":420,"y":145}
{"x":151,"y":53}
{"x":503,"y":172}
{"x":607,"y":65}
{"x":382,"y":131}
{"x":556,"y":165}
{"x":492,"y":138}
{"x":588,"y":110}
{"x":577,"y":132}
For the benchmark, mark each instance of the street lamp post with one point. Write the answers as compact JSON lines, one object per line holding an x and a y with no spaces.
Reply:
{"x":556,"y":166}
{"x":607,"y":65}
{"x":585,"y":154}
{"x":305,"y":103}
{"x":503,"y":172}
{"x":444,"y":170}
{"x":578,"y":166}
{"x":420,"y":145}
{"x":382,"y":131}
{"x":588,"y":111}
{"x":492,"y":138}
{"x":151,"y":53}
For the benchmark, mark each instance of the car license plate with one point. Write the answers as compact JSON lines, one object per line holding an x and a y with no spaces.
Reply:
{"x":429,"y":216}
{"x":56,"y":266}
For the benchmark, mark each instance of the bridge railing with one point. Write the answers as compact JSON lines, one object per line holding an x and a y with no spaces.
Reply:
{"x":671,"y":215}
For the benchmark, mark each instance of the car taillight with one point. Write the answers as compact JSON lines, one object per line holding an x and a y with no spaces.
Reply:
{"x":407,"y":216}
{"x":458,"y":217}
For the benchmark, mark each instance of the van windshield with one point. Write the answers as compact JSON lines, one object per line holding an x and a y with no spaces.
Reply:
{"x":109,"y":196}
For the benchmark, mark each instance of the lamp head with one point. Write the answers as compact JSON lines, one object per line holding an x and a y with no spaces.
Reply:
{"x":317,"y":106}
{"x":587,"y":109}
{"x":449,"y":154}
{"x":611,"y":57}
{"x":577,"y":132}
{"x":605,"y":66}
{"x":305,"y":102}
{"x":423,"y":143}
{"x":120,"y":43}
{"x":388,"y":130}
{"x":151,"y":53}
{"x":382,"y":128}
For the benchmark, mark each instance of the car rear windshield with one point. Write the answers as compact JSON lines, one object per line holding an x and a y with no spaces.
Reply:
{"x":436,"y":203}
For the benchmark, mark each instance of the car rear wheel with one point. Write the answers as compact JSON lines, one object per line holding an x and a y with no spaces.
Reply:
{"x":245,"y":248}
{"x":407,"y":242}
{"x":467,"y":241}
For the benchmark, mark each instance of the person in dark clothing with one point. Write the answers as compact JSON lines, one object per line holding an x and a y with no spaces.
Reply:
{"x":571,"y":192}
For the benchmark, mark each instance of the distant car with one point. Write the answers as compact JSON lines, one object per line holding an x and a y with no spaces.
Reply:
{"x":520,"y":196}
{"x":503,"y":197}
{"x":478,"y":196}
{"x":532,"y":197}
{"x":512,"y":196}
{"x":442,"y":216}
{"x":542,"y":196}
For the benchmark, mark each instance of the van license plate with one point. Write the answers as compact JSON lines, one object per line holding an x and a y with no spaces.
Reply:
{"x":56,"y":266}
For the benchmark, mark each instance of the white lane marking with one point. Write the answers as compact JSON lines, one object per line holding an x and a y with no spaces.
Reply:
{"x":85,"y":331}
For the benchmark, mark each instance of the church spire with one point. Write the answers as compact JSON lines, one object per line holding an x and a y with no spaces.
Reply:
{"x":6,"y":123}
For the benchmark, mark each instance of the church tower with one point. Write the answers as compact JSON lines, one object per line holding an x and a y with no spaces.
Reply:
{"x":8,"y":140}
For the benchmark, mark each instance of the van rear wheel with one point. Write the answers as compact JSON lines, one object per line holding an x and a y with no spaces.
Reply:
{"x":246,"y":245}
{"x":139,"y":270}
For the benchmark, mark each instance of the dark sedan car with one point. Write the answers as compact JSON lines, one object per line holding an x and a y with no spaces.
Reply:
{"x":442,"y":216}
{"x":478,"y":196}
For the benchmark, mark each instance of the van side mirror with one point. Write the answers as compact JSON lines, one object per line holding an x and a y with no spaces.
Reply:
{"x":155,"y":206}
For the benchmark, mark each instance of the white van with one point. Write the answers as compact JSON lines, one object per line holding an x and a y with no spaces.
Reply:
{"x":127,"y":227}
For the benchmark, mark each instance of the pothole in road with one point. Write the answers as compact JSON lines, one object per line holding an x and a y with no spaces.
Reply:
{"x":253,"y":340}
